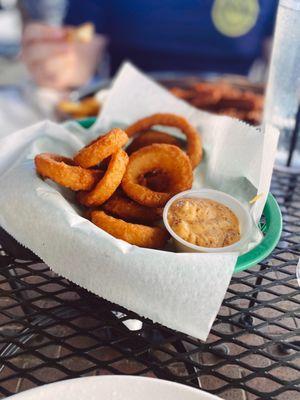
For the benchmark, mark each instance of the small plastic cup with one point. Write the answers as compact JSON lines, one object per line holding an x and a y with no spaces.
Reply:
{"x":233,"y":204}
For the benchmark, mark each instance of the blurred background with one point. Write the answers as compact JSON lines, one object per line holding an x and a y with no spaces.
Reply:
{"x":10,"y":39}
{"x":54,"y":54}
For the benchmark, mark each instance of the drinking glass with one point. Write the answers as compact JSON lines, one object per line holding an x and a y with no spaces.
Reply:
{"x":283,"y":88}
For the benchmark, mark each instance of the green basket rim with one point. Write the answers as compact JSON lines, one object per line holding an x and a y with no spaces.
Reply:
{"x":273,"y":226}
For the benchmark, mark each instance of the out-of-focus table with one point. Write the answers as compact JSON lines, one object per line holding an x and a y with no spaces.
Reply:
{"x":15,"y":112}
{"x":21,"y":102}
{"x":51,"y":329}
{"x":22,"y":106}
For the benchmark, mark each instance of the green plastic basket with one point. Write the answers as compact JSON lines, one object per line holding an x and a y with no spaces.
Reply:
{"x":270,"y":225}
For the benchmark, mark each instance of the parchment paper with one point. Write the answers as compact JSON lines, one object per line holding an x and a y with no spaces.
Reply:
{"x":181,"y":291}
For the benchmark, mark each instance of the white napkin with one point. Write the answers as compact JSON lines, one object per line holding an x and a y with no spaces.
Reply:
{"x":181,"y":291}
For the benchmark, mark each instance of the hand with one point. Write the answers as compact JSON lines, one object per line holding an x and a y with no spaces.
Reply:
{"x":56,"y":61}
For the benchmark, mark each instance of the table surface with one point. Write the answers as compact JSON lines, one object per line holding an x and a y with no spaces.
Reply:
{"x":51,"y":329}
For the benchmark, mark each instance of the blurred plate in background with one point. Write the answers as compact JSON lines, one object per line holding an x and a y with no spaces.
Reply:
{"x":231,"y":95}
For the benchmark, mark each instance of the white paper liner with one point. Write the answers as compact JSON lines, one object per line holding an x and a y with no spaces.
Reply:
{"x":181,"y":291}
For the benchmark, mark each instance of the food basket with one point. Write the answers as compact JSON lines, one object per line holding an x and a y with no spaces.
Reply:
{"x":270,"y":225}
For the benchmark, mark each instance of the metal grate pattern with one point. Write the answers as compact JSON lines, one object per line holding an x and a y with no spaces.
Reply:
{"x":51,"y":329}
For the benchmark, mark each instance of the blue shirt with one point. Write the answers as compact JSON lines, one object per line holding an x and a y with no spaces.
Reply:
{"x":176,"y":34}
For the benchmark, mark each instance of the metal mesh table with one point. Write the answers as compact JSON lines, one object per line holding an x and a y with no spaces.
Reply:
{"x":51,"y":329}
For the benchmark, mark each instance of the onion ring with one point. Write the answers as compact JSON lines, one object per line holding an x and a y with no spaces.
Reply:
{"x":158,"y":181}
{"x":139,"y":235}
{"x":194,"y":146}
{"x":166,"y":158}
{"x":101,"y":148}
{"x":63,"y":171}
{"x":150,"y":137}
{"x":108,"y":184}
{"x":125,"y":208}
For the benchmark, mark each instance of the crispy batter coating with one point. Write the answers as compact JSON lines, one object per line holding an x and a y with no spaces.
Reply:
{"x":139,"y":235}
{"x":150,"y":137}
{"x":123,"y":207}
{"x":108,"y":184}
{"x":101,"y":148}
{"x":166,"y":158}
{"x":149,"y":177}
{"x":65,"y":172}
{"x":194,"y":146}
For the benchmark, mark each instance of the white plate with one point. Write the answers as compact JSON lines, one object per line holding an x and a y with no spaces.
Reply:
{"x":114,"y":387}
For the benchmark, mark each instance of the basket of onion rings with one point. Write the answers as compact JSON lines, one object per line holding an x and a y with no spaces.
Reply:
{"x":123,"y":180}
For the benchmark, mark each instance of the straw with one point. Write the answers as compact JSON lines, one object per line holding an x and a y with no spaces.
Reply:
{"x":294,"y":137}
{"x":293,"y":144}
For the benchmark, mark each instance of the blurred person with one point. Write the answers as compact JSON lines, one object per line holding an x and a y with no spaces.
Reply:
{"x":173,"y":35}
{"x":55,"y":61}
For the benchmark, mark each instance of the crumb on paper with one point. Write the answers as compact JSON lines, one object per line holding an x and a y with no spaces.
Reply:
{"x":255,"y":198}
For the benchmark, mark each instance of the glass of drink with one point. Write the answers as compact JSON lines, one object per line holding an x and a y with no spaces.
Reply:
{"x":283,"y":89}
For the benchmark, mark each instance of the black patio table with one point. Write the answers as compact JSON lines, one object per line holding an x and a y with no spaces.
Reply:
{"x":51,"y":329}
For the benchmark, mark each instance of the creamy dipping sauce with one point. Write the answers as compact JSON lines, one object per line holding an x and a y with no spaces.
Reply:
{"x":204,"y":222}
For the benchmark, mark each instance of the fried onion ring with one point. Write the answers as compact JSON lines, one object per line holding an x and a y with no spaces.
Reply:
{"x":125,"y":208}
{"x":101,"y":148}
{"x":108,"y":184}
{"x":65,"y":172}
{"x":150,"y":137}
{"x":194,"y":146}
{"x":139,"y":235}
{"x":156,"y":180}
{"x":168,"y":159}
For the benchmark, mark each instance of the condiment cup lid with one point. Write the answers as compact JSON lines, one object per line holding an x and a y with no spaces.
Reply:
{"x":233,"y":204}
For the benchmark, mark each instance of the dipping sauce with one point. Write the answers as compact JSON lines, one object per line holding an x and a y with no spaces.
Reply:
{"x":204,"y":222}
